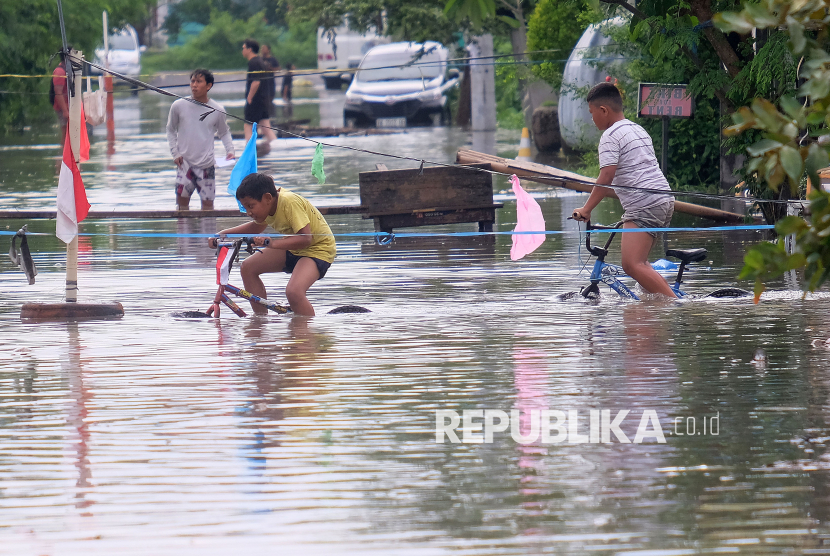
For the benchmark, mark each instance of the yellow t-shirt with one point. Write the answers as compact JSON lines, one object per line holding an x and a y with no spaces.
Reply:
{"x":294,"y":213}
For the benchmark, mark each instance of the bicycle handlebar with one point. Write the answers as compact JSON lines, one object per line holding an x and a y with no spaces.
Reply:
{"x":259,"y":241}
{"x":589,"y":227}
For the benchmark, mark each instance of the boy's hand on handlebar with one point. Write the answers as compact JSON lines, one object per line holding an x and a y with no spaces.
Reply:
{"x":261,"y":241}
{"x":213,"y":242}
{"x":581,"y":214}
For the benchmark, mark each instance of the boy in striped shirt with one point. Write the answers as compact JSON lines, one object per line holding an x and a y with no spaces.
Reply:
{"x":627,"y":159}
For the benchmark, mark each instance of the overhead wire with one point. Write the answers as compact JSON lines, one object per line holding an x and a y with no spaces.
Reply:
{"x":285,"y":132}
{"x":348,"y":70}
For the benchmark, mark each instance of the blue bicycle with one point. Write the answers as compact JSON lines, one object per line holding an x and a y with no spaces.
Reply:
{"x":610,"y":274}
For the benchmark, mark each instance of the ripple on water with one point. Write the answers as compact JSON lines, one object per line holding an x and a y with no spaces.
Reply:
{"x":158,"y":435}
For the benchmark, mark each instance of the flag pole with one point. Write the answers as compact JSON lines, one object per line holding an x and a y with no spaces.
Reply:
{"x":75,"y":124}
{"x":71,"y":309}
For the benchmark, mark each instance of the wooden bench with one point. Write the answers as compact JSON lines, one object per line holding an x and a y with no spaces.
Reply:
{"x":438,"y":195}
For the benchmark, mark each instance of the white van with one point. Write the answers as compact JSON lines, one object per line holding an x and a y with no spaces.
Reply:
{"x":341,"y":49}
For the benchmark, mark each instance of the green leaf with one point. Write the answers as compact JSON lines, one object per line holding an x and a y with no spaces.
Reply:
{"x":792,"y":107}
{"x":763,"y":146}
{"x":760,"y":15}
{"x":790,"y":225}
{"x":511,"y":21}
{"x":797,"y":38}
{"x":815,"y":118}
{"x":733,"y":21}
{"x":792,"y":163}
{"x":759,"y":289}
{"x":753,"y":260}
{"x":816,"y":160}
{"x":766,"y":111}
{"x":796,"y":260}
{"x":317,"y":165}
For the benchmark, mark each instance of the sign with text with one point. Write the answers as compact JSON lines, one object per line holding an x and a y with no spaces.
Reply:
{"x":671,"y":101}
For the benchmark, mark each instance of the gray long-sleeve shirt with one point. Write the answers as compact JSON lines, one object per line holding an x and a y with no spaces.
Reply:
{"x":193,"y":139}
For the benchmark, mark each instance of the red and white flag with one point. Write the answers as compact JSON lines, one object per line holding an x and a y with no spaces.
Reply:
{"x":72,"y":203}
{"x":223,"y":266}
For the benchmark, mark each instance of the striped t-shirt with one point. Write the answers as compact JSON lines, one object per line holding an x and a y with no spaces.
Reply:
{"x":629,"y":146}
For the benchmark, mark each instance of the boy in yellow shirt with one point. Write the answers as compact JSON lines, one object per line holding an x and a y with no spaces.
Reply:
{"x":306,"y":252}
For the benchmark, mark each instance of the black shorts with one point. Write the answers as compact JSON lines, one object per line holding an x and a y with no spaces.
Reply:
{"x":257,"y":111}
{"x":291,"y":261}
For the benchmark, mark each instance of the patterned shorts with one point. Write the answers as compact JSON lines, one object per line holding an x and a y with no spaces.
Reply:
{"x":655,"y":216}
{"x":202,"y":180}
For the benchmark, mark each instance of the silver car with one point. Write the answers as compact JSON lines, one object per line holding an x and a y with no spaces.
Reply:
{"x":400,"y":84}
{"x":124,"y":54}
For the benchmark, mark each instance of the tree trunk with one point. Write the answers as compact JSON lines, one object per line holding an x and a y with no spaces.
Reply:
{"x":518,"y":40}
{"x":702,"y":9}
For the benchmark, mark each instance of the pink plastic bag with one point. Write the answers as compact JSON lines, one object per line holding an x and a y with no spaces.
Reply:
{"x":528,"y":219}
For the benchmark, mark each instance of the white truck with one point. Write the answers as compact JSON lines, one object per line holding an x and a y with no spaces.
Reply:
{"x":341,"y":49}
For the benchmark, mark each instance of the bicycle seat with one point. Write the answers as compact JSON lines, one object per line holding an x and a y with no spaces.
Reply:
{"x":688,"y":255}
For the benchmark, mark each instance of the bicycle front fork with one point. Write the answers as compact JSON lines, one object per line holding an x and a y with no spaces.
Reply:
{"x":222,"y":297}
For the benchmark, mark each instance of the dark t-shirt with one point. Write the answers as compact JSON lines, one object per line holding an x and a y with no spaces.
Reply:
{"x":255,"y":66}
{"x":271,"y":64}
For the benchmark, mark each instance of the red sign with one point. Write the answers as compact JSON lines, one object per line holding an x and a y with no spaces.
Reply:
{"x":657,"y":101}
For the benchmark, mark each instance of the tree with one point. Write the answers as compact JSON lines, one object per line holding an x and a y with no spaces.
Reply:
{"x":399,"y":19}
{"x":679,"y":39}
{"x":510,"y":12}
{"x":201,"y":11}
{"x":791,"y":138}
{"x":30,"y":35}
{"x":553,"y":30}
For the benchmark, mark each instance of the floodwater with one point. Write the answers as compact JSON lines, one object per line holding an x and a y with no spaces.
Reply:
{"x":159,"y":436}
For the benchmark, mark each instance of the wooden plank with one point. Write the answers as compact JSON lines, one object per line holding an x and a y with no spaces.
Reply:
{"x":433,"y":209}
{"x":160,"y":214}
{"x":388,"y":223}
{"x":401,"y":191}
{"x":554,"y":176}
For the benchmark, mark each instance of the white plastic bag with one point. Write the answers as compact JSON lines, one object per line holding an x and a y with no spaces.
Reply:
{"x":95,"y":102}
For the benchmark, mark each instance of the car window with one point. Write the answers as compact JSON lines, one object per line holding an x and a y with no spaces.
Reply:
{"x":390,"y":66}
{"x":122,"y":41}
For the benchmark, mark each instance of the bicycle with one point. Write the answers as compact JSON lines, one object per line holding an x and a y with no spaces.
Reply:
{"x":609,"y":274}
{"x":227,"y":253}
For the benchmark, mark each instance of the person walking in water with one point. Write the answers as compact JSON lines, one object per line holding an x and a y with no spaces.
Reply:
{"x":627,"y":160}
{"x":191,"y":128}
{"x":256,"y":92}
{"x":287,"y":86}
{"x":273,"y":65}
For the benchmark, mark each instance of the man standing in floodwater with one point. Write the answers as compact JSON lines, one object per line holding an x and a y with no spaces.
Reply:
{"x":190,"y":130}
{"x":256,"y":92}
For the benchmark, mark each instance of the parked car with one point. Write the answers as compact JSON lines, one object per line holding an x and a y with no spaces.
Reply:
{"x":341,"y":48}
{"x":124,"y":53}
{"x":400,"y":84}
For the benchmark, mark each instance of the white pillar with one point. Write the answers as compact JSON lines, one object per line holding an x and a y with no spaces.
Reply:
{"x":75,"y":123}
{"x":482,"y":83}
